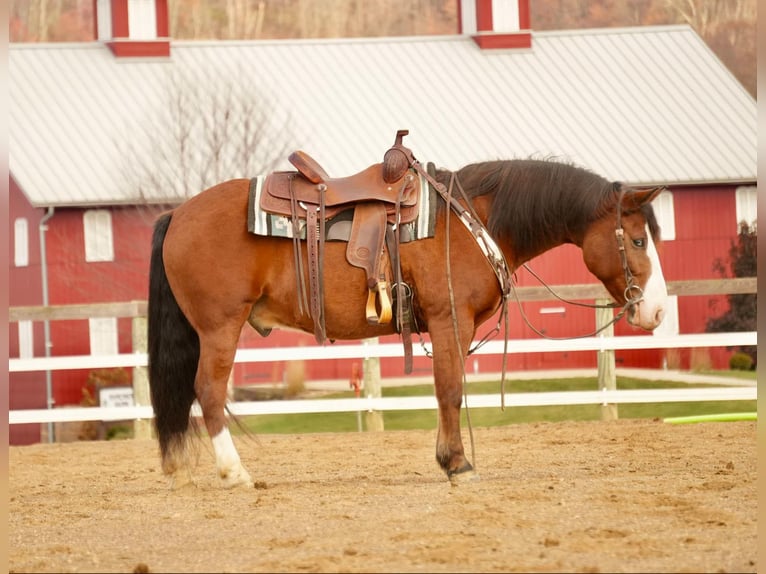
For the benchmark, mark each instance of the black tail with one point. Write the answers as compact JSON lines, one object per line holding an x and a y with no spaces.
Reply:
{"x":173,"y":352}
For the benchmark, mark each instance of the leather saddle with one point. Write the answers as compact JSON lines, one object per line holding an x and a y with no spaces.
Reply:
{"x":382,"y":197}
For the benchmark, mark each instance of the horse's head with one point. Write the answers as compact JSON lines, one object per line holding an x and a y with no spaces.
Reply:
{"x":620,"y":249}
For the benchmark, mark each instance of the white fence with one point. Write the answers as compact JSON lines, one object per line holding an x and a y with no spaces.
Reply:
{"x":363,"y":351}
{"x":601,"y":343}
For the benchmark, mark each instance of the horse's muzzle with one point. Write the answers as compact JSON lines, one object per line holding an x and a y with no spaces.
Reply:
{"x":645,"y":316}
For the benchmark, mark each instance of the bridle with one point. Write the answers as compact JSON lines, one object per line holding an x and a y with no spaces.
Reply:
{"x":630,"y":281}
{"x":633,"y":293}
{"x":505,"y":277}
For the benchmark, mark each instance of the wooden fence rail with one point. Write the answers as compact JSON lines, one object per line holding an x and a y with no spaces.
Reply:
{"x":605,"y":345}
{"x":724,"y":286}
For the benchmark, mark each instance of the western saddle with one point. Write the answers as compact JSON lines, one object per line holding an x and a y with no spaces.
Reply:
{"x":382,"y":197}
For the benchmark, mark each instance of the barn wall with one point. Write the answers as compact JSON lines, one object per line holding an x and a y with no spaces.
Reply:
{"x":26,"y":390}
{"x":73,"y":280}
{"x":706,"y":226}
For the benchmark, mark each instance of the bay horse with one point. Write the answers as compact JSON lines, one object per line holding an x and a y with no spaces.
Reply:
{"x":209,"y":275}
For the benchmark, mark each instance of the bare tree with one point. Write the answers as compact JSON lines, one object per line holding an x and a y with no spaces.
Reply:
{"x":729,"y":28}
{"x":204,"y":132}
{"x":244,"y":18}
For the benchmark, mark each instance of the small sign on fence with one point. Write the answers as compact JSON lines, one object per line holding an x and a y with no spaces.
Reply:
{"x":115,"y":397}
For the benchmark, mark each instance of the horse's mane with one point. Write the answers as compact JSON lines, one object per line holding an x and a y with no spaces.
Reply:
{"x":540,"y":202}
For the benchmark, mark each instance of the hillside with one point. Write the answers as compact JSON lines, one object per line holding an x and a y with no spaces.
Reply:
{"x":729,"y":28}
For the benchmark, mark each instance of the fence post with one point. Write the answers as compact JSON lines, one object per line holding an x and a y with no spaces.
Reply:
{"x":607,"y":379}
{"x":142,"y":428}
{"x":373,"y":419}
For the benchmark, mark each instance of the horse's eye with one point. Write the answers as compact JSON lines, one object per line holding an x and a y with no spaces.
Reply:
{"x":639,"y":242}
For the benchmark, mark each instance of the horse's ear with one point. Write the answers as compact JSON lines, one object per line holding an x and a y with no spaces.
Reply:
{"x":634,"y":197}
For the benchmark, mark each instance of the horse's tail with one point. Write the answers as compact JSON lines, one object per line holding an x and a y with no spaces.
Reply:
{"x":173,"y":346}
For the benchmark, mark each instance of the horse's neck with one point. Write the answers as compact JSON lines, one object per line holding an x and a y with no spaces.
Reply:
{"x":517,"y":259}
{"x":537,"y":237}
{"x":542,"y":238}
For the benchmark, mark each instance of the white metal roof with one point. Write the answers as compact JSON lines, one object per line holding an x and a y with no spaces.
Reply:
{"x":641,"y":105}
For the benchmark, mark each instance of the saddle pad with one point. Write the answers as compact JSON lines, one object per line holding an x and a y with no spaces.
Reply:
{"x":338,"y":228}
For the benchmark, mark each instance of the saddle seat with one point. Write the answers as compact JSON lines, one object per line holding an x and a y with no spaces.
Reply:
{"x":381,"y":196}
{"x":311,"y":186}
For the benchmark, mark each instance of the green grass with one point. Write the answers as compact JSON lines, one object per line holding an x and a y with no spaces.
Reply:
{"x":487,"y":417}
{"x":746,"y":375}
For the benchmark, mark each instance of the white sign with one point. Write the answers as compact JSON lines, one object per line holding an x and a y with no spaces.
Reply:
{"x":116,"y":397}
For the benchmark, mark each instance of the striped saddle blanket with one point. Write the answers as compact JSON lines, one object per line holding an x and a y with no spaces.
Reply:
{"x":338,"y":228}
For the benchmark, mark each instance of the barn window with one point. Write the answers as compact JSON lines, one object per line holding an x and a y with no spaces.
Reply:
{"x":98,"y":235}
{"x":26,"y":339}
{"x":666,"y":216}
{"x":104,"y":11}
{"x":21,"y":242}
{"x":669,"y":325}
{"x":103,"y":336}
{"x":142,"y":19}
{"x":747,"y":205}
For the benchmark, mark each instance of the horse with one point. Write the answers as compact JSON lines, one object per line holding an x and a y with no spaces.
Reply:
{"x":209,"y":276}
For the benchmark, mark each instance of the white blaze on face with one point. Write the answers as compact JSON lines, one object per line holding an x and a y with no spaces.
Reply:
{"x":651,"y":309}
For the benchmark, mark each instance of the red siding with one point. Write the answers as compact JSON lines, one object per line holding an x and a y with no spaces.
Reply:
{"x":26,"y":390}
{"x":706,"y":226}
{"x":73,"y":280}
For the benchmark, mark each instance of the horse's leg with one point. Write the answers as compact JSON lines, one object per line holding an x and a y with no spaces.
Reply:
{"x":448,"y":360}
{"x":217,"y":349}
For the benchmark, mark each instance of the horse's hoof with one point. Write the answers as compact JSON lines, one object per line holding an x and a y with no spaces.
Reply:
{"x":181,"y":480}
{"x":238,"y":478}
{"x":228,"y":484}
{"x":463,"y":474}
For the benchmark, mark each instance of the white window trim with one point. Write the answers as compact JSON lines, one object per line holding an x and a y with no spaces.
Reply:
{"x":142,"y":20}
{"x":102,"y":332}
{"x":746,"y":198}
{"x":670,"y":325}
{"x":665,"y":213}
{"x":97,"y":227}
{"x":26,"y":339}
{"x":21,"y":242}
{"x":104,"y":8}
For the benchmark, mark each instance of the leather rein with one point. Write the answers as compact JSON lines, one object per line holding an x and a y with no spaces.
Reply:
{"x":468,"y":217}
{"x":633,"y":293}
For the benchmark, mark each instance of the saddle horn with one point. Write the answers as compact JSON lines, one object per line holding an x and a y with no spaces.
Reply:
{"x":397,"y":159}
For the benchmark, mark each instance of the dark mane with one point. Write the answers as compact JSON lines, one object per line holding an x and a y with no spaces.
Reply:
{"x":538,"y":202}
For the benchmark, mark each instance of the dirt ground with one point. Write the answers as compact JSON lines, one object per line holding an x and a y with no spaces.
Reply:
{"x":624,"y":496}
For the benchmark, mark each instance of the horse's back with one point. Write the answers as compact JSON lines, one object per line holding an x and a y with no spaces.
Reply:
{"x":208,"y":253}
{"x":214,"y":263}
{"x":227,"y":199}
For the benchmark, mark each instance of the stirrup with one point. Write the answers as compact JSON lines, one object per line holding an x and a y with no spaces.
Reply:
{"x":385,"y":305}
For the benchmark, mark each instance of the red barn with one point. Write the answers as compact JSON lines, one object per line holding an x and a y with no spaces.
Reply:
{"x":104,"y":134}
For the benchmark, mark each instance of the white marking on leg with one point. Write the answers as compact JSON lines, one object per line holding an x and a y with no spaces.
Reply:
{"x":227,"y":460}
{"x":652,"y":309}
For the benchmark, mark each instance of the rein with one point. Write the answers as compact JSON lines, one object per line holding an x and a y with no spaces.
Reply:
{"x":489,"y":248}
{"x":497,"y":262}
{"x":631,"y":287}
{"x":469,"y":218}
{"x":633,"y":292}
